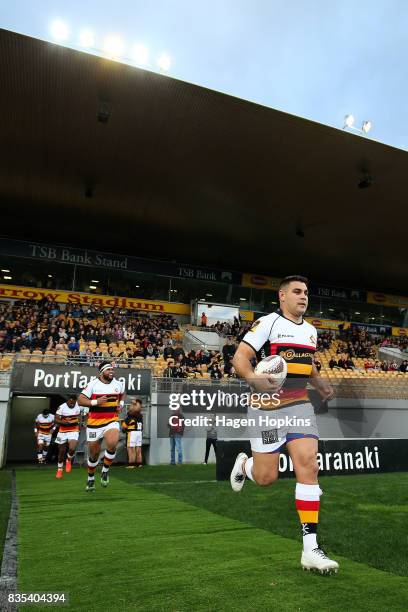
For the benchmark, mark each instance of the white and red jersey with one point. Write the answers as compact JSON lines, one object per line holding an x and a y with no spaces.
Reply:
{"x":274,"y":334}
{"x":70,"y":417}
{"x":108,"y":412}
{"x":44,"y":424}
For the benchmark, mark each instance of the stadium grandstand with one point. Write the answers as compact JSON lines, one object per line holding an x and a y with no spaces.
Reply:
{"x":148,"y":227}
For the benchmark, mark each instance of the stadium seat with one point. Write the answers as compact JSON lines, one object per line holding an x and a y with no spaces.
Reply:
{"x":6,"y":363}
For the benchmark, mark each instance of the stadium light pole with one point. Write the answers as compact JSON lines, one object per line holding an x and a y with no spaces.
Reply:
{"x":349,"y":125}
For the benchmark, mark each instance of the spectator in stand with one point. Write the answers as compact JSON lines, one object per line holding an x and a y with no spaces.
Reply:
{"x":190,"y":359}
{"x":3,"y":344}
{"x":150,"y":351}
{"x":228,"y":350}
{"x":178,"y":350}
{"x":98,"y":355}
{"x":403,"y":367}
{"x":341,"y":363}
{"x":178,"y":371}
{"x":168,"y":371}
{"x":349,"y":363}
{"x":228,"y":367}
{"x":50,"y":344}
{"x":332,"y":363}
{"x":317,"y":364}
{"x":168,"y":352}
{"x":216,"y":373}
{"x":203,"y":320}
{"x":60,"y":345}
{"x":73,"y":345}
{"x":176,"y":431}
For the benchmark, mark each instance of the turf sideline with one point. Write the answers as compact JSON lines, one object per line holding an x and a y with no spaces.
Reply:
{"x":8,"y":576}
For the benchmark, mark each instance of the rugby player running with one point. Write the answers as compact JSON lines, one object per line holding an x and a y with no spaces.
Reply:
{"x":104,"y":398}
{"x":286,"y":333}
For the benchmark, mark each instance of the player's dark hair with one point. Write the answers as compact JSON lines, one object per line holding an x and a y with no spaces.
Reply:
{"x":72,"y":397}
{"x":294,"y":278}
{"x":137,"y":401}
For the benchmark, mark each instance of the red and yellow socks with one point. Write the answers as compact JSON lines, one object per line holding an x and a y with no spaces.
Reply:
{"x":308,"y":506}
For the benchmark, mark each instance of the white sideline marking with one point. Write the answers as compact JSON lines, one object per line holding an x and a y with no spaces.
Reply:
{"x":175,"y":482}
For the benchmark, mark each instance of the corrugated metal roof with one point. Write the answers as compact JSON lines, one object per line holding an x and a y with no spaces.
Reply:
{"x":182,"y":172}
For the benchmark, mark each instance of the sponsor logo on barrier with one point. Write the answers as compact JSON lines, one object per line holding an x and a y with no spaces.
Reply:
{"x":52,"y":378}
{"x":74,"y":378}
{"x":365,"y":459}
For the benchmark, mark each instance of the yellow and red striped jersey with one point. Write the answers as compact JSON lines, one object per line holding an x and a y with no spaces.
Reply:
{"x":133,"y":422}
{"x":44,"y":424}
{"x":274,"y":334}
{"x":69,"y":416}
{"x":108,"y":412}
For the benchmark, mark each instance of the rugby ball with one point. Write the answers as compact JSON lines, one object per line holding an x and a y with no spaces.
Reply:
{"x":275,"y":366}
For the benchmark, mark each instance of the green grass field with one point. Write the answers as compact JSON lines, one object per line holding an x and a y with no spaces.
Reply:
{"x":5,"y":501}
{"x":173,"y":539}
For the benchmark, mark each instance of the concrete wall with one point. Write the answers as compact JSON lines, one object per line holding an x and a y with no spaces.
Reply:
{"x":346,"y":419}
{"x":159,"y":448}
{"x":368,"y":419}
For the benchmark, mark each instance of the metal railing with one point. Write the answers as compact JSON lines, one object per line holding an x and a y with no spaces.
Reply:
{"x":395,"y":388}
{"x":11,"y":358}
{"x":5,"y":378}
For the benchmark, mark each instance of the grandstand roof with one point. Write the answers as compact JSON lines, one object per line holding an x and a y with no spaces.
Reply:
{"x":184,"y":173}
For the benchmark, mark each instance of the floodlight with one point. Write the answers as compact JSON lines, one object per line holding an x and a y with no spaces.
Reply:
{"x":86,"y":38}
{"x":140,"y":55}
{"x":349,"y":121}
{"x":164,"y":62}
{"x":113,"y":46}
{"x":59,"y":30}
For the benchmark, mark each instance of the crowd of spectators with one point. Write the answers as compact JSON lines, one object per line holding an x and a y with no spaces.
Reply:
{"x":50,"y":327}
{"x":235,"y":329}
{"x":400,"y":343}
{"x":324,"y":340}
{"x":89,"y":334}
{"x":196,"y":363}
{"x":346,"y":363}
{"x":358,"y":343}
{"x":385,"y":366}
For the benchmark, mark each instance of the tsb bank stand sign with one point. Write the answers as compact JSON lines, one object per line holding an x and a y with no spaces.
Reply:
{"x":61,"y":379}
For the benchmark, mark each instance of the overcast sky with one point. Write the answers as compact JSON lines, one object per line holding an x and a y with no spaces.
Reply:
{"x":319,"y":59}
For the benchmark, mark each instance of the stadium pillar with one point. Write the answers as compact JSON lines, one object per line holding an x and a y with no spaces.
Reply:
{"x":4,"y":420}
